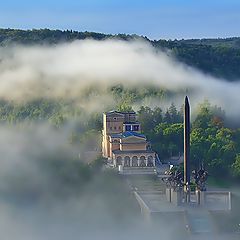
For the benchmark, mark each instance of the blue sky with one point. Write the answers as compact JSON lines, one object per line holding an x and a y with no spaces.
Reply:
{"x":156,"y":19}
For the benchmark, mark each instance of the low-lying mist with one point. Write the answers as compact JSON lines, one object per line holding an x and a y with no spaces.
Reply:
{"x":48,"y":189}
{"x":69,"y":70}
{"x":48,"y":192}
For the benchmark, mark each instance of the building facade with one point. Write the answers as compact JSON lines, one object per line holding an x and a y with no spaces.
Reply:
{"x":122,"y":141}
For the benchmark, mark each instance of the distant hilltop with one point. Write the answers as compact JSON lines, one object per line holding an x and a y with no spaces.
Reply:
{"x":218,"y":57}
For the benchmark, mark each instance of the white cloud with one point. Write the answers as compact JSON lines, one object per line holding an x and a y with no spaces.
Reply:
{"x":67,"y":70}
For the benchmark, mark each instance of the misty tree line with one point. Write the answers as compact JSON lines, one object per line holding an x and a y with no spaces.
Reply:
{"x":54,"y":177}
{"x":218,"y":57}
{"x":212,"y":142}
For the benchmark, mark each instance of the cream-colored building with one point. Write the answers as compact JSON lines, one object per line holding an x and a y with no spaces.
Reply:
{"x":123,"y":144}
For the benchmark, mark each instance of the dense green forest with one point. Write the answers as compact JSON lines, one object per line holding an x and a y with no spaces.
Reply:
{"x":213,"y":142}
{"x":44,"y":141}
{"x":218,"y":57}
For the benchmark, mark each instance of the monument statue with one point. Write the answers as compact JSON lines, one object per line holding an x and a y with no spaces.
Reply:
{"x":200,"y":178}
{"x":173,"y":179}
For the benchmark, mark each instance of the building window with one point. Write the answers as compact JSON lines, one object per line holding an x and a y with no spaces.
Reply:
{"x":150,"y":161}
{"x":134,"y":161}
{"x":128,"y":127}
{"x":127,"y":161}
{"x":119,"y":161}
{"x":136,"y":128}
{"x":115,"y":128}
{"x":142,"y":161}
{"x":119,"y":127}
{"x":114,"y":118}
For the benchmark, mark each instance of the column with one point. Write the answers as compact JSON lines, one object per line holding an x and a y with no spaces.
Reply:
{"x":131,"y":162}
{"x":138,"y":161}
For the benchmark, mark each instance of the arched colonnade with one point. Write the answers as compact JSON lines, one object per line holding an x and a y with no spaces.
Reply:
{"x":135,"y":161}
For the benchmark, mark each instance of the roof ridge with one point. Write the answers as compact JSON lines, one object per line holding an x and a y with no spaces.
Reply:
{"x":132,"y":133}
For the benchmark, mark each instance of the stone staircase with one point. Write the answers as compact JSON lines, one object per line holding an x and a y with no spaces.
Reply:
{"x":199,"y":221}
{"x":138,"y":171}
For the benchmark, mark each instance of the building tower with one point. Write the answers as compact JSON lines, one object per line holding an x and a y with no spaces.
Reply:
{"x":124,"y":146}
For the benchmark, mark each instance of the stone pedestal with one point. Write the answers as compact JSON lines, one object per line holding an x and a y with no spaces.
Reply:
{"x":176,"y":197}
{"x":201,"y":197}
{"x":120,"y":168}
{"x":168,"y":194}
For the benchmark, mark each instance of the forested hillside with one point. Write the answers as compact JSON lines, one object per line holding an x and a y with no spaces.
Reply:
{"x":218,"y":57}
{"x":213,"y":141}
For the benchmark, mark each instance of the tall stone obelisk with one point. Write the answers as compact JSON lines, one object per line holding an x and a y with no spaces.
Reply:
{"x":187,"y":149}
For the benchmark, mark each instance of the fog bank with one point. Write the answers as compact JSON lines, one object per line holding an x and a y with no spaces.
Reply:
{"x":69,"y":70}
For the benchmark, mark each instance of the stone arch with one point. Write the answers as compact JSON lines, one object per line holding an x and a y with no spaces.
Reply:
{"x":119,"y":160}
{"x":150,"y":161}
{"x":142,"y":161}
{"x":135,"y":161}
{"x":127,"y":161}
